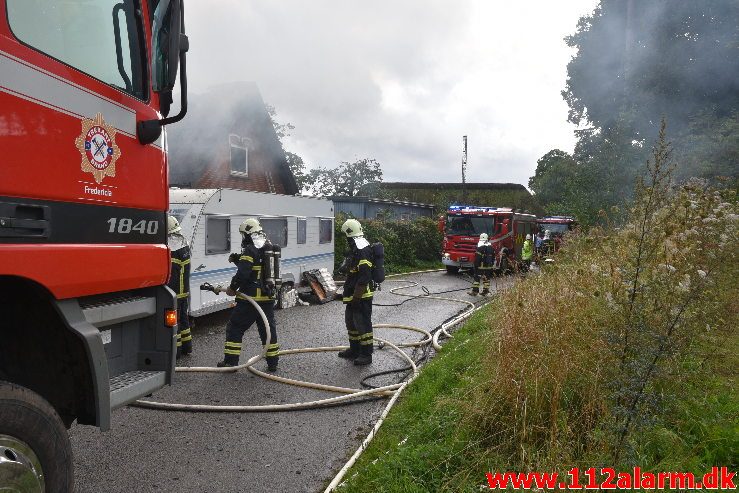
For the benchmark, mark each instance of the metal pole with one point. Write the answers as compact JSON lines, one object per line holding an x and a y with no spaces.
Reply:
{"x":464,"y":168}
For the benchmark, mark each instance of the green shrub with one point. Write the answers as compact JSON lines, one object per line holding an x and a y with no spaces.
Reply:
{"x":408,"y":244}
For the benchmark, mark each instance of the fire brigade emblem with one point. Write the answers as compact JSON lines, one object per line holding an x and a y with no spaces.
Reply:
{"x":98,"y":148}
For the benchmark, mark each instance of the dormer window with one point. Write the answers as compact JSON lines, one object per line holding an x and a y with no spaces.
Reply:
{"x":239,"y":155}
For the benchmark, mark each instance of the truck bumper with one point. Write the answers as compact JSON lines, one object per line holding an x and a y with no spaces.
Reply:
{"x":454,"y":263}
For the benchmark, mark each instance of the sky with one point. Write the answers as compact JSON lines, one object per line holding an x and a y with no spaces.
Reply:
{"x":400,"y":81}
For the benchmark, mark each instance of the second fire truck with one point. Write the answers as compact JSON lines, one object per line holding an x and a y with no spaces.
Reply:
{"x":506,"y":229}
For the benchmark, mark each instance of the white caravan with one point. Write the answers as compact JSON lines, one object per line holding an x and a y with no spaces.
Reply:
{"x":210,"y":219}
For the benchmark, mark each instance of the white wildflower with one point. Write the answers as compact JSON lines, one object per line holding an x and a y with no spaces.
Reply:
{"x":684,"y":285}
{"x":702,"y":273}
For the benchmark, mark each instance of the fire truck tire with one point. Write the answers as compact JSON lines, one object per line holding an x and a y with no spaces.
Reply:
{"x":450,"y":269}
{"x":34,"y":445}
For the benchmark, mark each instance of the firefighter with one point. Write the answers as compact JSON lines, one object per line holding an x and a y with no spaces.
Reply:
{"x":527,"y":252}
{"x":483,"y":266}
{"x":179,"y":282}
{"x":358,"y":295}
{"x":249,"y":279}
{"x":547,"y":244}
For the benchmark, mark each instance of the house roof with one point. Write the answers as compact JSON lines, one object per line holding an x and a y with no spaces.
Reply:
{"x":211,"y":117}
{"x":373,"y":200}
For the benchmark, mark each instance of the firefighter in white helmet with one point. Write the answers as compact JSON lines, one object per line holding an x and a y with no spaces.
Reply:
{"x":358,"y":295}
{"x":179,"y":282}
{"x":483,"y":266}
{"x":249,"y":279}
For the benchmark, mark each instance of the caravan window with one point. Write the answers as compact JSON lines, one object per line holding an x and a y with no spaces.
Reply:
{"x":276,"y":230}
{"x":239,"y":156}
{"x":325,"y":231}
{"x":217,"y":235}
{"x":302,"y":230}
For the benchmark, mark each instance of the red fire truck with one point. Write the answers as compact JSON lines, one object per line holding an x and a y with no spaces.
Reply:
{"x":505,"y":228}
{"x":86,"y":320}
{"x":557,"y":227}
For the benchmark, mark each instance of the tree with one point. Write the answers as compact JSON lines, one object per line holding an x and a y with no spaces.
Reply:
{"x":294,"y":162}
{"x":346,"y":180}
{"x":638,"y":62}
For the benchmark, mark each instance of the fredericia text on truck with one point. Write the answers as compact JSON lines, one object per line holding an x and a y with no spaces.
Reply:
{"x":87,"y":323}
{"x":463,"y":224}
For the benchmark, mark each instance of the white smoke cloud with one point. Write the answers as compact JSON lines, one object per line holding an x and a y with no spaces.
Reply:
{"x":400,"y":81}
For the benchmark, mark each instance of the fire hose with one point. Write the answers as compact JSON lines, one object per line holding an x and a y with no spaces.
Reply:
{"x":349,"y":393}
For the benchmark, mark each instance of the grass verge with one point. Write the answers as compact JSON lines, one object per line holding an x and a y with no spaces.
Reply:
{"x":422,"y":447}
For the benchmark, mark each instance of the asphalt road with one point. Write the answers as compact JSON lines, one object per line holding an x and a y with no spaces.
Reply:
{"x":300,"y":451}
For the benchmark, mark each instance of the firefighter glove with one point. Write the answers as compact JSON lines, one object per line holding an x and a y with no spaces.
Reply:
{"x":234,"y":258}
{"x":359,"y":291}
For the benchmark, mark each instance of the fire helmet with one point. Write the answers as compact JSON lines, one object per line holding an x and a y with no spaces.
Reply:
{"x":528,"y":237}
{"x":483,"y":237}
{"x":352,"y":228}
{"x":173,"y":225}
{"x":250,"y":226}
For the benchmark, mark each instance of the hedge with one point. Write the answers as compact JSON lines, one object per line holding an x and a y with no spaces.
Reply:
{"x":407,"y":243}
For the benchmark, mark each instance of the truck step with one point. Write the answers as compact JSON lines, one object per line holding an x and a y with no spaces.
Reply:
{"x":129,"y":386}
{"x":117,"y":310}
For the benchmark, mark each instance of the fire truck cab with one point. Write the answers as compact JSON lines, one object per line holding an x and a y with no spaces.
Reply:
{"x":87,"y":323}
{"x":557,"y":226}
{"x":506,"y":230}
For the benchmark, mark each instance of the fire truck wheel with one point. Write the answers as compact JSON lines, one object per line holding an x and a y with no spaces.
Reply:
{"x":450,"y":269}
{"x":35,"y":453}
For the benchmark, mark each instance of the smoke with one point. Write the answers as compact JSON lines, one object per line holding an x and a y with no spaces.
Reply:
{"x":649,"y":59}
{"x":400,"y":82}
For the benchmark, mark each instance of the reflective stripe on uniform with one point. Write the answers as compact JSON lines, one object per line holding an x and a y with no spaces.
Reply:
{"x":247,"y":257}
{"x":273,"y":349}
{"x":185,"y":335}
{"x":366,"y":339}
{"x":365,"y":262}
{"x":182,"y":263}
{"x":233,"y":348}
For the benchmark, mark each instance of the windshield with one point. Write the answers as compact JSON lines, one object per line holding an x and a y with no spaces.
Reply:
{"x":469,"y":225}
{"x":556,"y":229}
{"x":100,"y":38}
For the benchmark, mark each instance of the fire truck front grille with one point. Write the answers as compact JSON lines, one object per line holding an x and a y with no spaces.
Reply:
{"x":464,"y":247}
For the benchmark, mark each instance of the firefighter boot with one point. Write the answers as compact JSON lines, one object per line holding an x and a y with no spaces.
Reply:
{"x":186,"y":348}
{"x":272,"y":357}
{"x":365,"y":356}
{"x":352,"y":352}
{"x":228,"y":360}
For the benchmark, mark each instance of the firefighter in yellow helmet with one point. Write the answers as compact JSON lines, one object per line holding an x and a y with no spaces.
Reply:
{"x":358,"y":295}
{"x":249,"y":279}
{"x":179,"y":282}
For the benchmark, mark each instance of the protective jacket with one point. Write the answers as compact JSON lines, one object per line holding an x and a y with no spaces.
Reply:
{"x":484,"y":257}
{"x":179,"y":278}
{"x":249,"y":278}
{"x":527,"y":251}
{"x":360,"y":273}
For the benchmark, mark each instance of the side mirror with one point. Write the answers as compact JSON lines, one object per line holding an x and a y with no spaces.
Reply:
{"x":168,"y":50}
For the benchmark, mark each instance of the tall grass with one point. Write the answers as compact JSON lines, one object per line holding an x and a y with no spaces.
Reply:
{"x":590,"y":363}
